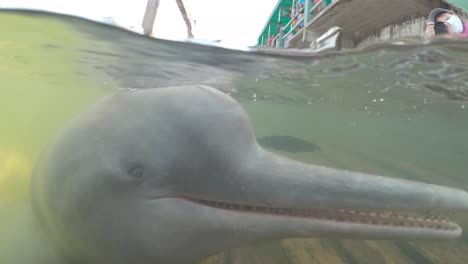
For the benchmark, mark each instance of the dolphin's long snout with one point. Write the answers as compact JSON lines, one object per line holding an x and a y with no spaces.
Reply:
{"x":300,"y":185}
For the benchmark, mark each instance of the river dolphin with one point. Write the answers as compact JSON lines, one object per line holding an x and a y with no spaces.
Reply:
{"x":172,"y":175}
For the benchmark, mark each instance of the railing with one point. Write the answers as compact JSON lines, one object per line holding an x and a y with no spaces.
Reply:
{"x":287,"y":31}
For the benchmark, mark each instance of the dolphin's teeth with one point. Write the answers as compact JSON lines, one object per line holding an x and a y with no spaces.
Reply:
{"x":385,"y":218}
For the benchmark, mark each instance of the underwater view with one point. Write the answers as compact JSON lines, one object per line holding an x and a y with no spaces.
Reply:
{"x":398,"y":110}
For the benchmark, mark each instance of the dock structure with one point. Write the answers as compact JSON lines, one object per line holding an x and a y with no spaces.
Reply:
{"x":152,"y":10}
{"x":360,"y":21}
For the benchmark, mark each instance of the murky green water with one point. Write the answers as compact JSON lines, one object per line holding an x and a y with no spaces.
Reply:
{"x":394,"y":110}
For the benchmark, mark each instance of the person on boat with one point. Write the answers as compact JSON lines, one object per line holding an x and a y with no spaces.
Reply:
{"x":445,"y":23}
{"x":279,"y":27}
{"x":318,"y":8}
{"x":301,"y":4}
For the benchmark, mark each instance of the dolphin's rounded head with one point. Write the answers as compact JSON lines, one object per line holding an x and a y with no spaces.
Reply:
{"x":115,"y":185}
{"x":174,"y":174}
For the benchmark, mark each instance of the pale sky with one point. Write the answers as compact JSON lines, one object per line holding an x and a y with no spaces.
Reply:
{"x":237,"y":23}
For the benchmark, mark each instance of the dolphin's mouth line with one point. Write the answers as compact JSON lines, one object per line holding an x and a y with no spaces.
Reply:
{"x":374,"y":217}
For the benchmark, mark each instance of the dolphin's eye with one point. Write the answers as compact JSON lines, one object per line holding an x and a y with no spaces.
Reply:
{"x":136,"y":172}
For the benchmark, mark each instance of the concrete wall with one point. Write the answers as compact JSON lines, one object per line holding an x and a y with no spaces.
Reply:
{"x":411,"y":28}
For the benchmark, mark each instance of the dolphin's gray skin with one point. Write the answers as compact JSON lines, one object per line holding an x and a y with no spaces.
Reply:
{"x":175,"y":174}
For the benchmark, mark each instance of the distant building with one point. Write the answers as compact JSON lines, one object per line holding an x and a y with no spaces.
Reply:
{"x":356,"y":23}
